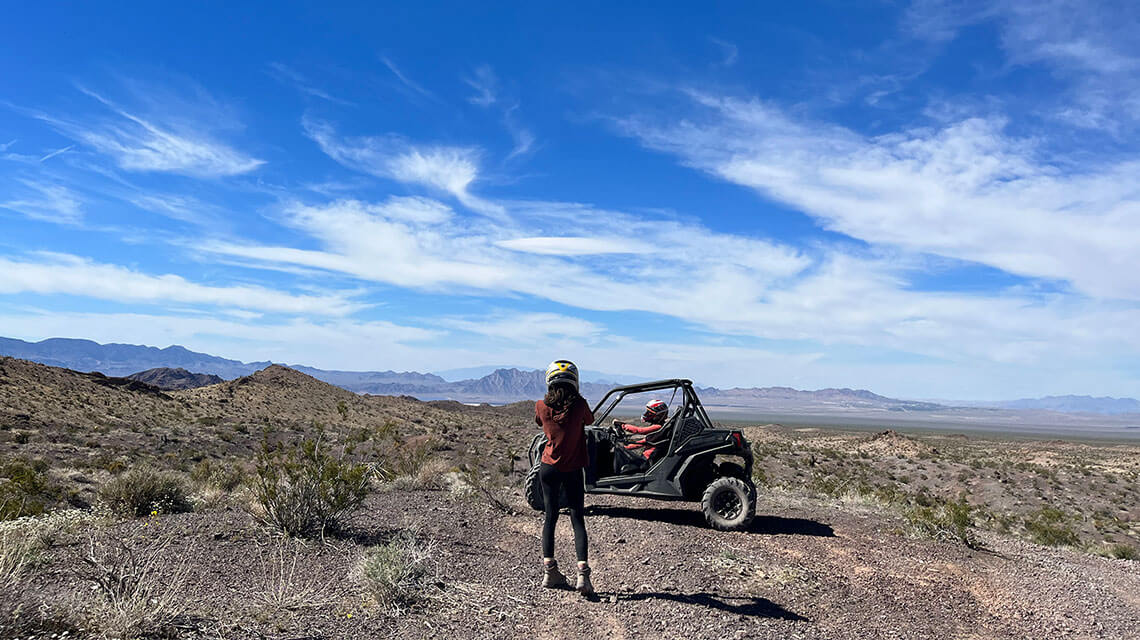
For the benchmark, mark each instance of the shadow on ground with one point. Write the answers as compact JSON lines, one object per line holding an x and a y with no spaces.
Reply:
{"x":770,"y":525}
{"x":748,"y":606}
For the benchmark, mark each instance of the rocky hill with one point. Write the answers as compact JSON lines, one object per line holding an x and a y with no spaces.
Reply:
{"x":174,"y":379}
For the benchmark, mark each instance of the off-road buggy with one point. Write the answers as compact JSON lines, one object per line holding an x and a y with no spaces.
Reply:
{"x":688,"y":464}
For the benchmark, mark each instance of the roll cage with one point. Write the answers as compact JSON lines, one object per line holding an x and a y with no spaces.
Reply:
{"x":680,"y":426}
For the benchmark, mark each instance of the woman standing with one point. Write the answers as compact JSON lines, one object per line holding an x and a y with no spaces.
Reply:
{"x":563,"y":414}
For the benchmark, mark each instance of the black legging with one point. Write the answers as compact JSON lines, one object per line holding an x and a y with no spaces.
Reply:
{"x":551,"y":480}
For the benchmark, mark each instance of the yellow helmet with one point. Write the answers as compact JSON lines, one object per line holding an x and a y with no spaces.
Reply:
{"x":562,"y":371}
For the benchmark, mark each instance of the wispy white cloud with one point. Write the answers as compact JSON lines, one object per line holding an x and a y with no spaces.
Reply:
{"x":405,"y":80}
{"x":51,"y":273}
{"x":1091,"y":45}
{"x":177,"y":207}
{"x":728,"y":50}
{"x":291,"y":77}
{"x":523,"y":138}
{"x":47,"y":202}
{"x":573,"y":246}
{"x":967,"y":190}
{"x":485,"y":84}
{"x":728,"y":284}
{"x":446,"y":168}
{"x":57,"y":152}
{"x":528,"y":328}
{"x":141,"y":144}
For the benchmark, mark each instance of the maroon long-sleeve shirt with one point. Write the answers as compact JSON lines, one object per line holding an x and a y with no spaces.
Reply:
{"x":565,"y":434}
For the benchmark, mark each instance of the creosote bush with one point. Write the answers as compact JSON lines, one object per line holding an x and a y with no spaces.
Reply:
{"x":949,"y":521}
{"x":1050,"y":527}
{"x":26,"y":489}
{"x":145,"y":490}
{"x":303,"y":490}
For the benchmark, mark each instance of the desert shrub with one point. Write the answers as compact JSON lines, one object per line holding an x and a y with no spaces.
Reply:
{"x":283,"y":587}
{"x":145,"y":490}
{"x":400,"y":573}
{"x":50,"y":529}
{"x":472,"y":484}
{"x":137,"y":584}
{"x":1049,"y":526}
{"x":759,"y":476}
{"x":23,"y":609}
{"x":304,"y":490}
{"x":26,"y":489}
{"x":410,"y":466}
{"x":1118,"y":551}
{"x":219,"y":476}
{"x":18,"y":552}
{"x":948,"y":521}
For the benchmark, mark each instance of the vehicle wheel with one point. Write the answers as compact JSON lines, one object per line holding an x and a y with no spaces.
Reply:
{"x":532,"y":490}
{"x":729,"y":504}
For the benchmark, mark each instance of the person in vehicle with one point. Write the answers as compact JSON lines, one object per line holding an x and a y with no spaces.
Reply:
{"x":635,"y":455}
{"x":563,"y":414}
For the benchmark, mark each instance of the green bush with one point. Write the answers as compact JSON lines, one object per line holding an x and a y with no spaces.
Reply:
{"x":1123,"y":552}
{"x":1049,"y":526}
{"x":400,"y":573}
{"x":303,"y":490}
{"x":949,"y":521}
{"x":26,"y":489}
{"x":217,"y":475}
{"x":145,"y":490}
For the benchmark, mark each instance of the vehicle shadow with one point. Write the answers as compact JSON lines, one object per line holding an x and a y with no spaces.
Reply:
{"x":769,"y":525}
{"x":748,"y":606}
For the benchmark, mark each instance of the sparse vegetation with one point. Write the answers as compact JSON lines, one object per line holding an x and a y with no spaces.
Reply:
{"x":26,"y":488}
{"x":1050,"y":526}
{"x":283,"y":587}
{"x":138,"y":586}
{"x":477,"y":485}
{"x":304,"y":490}
{"x":400,"y":573}
{"x":145,"y":490}
{"x":219,"y":476}
{"x":948,"y":521}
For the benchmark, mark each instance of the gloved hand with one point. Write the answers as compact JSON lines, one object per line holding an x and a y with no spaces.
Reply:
{"x":617,"y":434}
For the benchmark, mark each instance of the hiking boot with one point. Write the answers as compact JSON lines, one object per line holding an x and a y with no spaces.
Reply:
{"x":552,"y":578}
{"x":584,"y":586}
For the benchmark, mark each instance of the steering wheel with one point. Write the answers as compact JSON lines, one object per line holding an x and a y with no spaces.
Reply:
{"x":617,"y":434}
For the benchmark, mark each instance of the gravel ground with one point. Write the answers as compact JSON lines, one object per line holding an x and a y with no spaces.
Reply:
{"x":806,"y":569}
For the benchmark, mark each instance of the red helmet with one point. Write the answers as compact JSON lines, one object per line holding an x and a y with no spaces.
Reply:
{"x":655,"y":412}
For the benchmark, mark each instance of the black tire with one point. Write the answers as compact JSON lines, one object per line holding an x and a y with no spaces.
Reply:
{"x":729,"y":504}
{"x":533,"y":492}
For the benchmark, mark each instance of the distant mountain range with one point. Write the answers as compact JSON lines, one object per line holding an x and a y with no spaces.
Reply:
{"x":500,"y":385}
{"x":1069,"y":404}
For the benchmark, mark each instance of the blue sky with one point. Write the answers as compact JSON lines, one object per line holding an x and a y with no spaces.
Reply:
{"x":931,"y":200}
